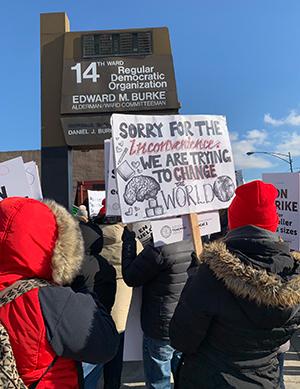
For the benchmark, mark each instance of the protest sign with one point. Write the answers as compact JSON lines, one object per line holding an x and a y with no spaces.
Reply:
{"x":143,"y":231}
{"x":133,"y":342}
{"x":239,"y":177}
{"x":112,"y":198}
{"x":287,"y":203}
{"x":95,"y":198}
{"x":13,"y":180}
{"x":172,"y":165}
{"x":166,"y":231}
{"x":107,"y":145}
{"x":33,"y":179}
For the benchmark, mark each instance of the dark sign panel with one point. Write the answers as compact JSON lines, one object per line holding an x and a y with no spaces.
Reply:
{"x":119,"y":84}
{"x":86,"y":131}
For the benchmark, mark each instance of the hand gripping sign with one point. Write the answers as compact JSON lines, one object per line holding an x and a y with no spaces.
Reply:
{"x":172,"y":165}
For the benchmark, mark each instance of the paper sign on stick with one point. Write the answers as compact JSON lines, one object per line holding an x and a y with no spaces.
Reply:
{"x":107,"y":145}
{"x":33,"y":179}
{"x":166,"y":231}
{"x":95,"y":198}
{"x":172,"y":165}
{"x":112,"y":198}
{"x":287,"y":203}
{"x":13,"y":181}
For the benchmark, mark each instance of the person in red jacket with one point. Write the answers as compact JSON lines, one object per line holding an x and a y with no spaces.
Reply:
{"x":43,"y":241}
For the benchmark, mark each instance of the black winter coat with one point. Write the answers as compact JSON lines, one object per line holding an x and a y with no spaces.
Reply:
{"x":235,"y":312}
{"x":96,"y":276}
{"x":163,"y":273}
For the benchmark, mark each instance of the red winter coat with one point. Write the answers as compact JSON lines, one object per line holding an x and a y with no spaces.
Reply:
{"x":42,"y":240}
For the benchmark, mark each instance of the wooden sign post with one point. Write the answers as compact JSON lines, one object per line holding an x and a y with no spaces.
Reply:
{"x":196,"y":233}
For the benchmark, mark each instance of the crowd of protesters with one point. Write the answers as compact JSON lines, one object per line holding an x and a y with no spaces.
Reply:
{"x":222,"y":320}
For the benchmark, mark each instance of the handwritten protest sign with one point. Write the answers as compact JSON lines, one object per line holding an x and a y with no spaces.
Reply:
{"x":112,"y":198}
{"x":172,"y":165}
{"x":13,"y":180}
{"x":166,"y":231}
{"x":33,"y":179}
{"x":287,"y":203}
{"x":107,"y":145}
{"x":95,"y":198}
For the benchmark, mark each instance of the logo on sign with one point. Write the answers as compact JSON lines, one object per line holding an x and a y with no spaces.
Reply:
{"x":166,"y":232}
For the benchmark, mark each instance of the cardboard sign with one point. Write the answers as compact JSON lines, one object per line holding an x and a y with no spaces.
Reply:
{"x":112,"y":198}
{"x":33,"y":179}
{"x":133,"y":342}
{"x":172,"y":230}
{"x":13,"y":180}
{"x":172,"y":165}
{"x":287,"y":203}
{"x":107,"y":144}
{"x":95,"y":198}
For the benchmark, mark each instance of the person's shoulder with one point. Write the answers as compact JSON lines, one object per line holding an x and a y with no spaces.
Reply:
{"x":112,"y":232}
{"x":55,"y":293}
{"x":182,"y":248}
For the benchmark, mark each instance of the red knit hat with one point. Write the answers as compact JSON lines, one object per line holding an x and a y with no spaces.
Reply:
{"x":254,"y":204}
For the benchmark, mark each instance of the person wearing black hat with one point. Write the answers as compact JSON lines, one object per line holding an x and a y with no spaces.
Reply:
{"x":242,"y":304}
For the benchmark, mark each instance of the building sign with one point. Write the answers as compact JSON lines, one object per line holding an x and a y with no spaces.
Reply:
{"x":86,"y":130}
{"x":115,"y":84}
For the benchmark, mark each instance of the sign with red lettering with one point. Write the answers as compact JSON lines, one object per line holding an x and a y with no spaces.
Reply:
{"x":172,"y":165}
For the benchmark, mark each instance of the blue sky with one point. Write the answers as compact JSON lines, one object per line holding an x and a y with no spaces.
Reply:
{"x":232,"y":57}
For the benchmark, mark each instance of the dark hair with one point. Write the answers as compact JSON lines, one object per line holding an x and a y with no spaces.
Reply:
{"x":106,"y":219}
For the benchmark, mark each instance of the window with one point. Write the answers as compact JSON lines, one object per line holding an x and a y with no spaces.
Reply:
{"x":117,"y":44}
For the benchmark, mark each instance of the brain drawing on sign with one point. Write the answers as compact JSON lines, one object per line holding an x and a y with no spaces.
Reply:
{"x":171,"y":165}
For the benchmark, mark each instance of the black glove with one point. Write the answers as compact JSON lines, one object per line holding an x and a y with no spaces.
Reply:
{"x":128,"y":235}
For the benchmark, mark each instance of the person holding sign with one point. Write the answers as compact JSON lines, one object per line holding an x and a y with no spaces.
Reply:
{"x":112,"y":251}
{"x":242,"y":304}
{"x":162,"y":272}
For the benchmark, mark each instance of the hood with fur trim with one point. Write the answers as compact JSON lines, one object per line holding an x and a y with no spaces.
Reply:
{"x":38,"y":240}
{"x":251,"y":282}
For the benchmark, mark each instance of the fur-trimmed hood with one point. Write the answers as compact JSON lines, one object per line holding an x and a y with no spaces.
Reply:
{"x":38,"y":240}
{"x":251,"y":282}
{"x":69,"y":248}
